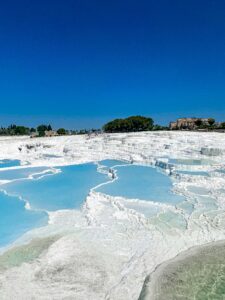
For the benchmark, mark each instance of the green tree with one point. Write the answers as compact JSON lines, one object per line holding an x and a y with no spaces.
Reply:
{"x":21,"y":130}
{"x":41,"y":129}
{"x":211,"y":121}
{"x":134,"y":123}
{"x":61,"y":131}
{"x":159,"y":127}
{"x":198,"y":122}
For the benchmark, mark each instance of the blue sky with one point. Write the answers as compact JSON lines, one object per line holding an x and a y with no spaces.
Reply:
{"x":79,"y":63}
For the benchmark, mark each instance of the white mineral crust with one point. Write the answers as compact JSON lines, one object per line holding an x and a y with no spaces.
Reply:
{"x":107,"y":249}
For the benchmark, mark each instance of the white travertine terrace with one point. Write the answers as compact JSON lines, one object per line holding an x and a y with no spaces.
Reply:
{"x":107,"y":249}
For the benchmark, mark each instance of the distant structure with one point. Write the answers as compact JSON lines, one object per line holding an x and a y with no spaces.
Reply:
{"x":50,"y":133}
{"x":188,"y":123}
{"x":34,"y":135}
{"x":47,"y":133}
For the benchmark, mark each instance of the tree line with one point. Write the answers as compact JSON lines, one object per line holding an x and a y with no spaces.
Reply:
{"x":23,"y":130}
{"x":211,"y":124}
{"x":132,"y":124}
{"x":40,"y":131}
{"x":16,"y":130}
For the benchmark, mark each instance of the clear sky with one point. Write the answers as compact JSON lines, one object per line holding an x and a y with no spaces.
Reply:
{"x":79,"y":63}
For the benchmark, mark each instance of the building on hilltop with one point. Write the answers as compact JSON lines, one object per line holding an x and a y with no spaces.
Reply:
{"x":50,"y":133}
{"x":188,"y":123}
{"x":46,"y":133}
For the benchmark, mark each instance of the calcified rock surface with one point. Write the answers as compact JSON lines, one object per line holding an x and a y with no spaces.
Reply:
{"x":197,"y":273}
{"x":106,"y":250}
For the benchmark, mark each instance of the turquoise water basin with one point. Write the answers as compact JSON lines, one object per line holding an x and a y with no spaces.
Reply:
{"x":65,"y":190}
{"x":139,"y":182}
{"x":20,"y":173}
{"x":15,"y":219}
{"x":6,"y":163}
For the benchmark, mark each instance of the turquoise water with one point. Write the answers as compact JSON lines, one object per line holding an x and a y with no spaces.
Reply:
{"x":69,"y":188}
{"x":109,"y":163}
{"x":15,"y":220}
{"x":6,"y":163}
{"x":20,"y":173}
{"x":144,"y":183}
{"x":65,"y":190}
{"x":47,"y":172}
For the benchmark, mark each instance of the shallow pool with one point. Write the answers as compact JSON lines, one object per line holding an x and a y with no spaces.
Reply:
{"x":140,"y":182}
{"x":15,"y":219}
{"x":20,"y":173}
{"x":65,"y":190}
{"x":69,"y":188}
{"x":109,"y":163}
{"x":6,"y":163}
